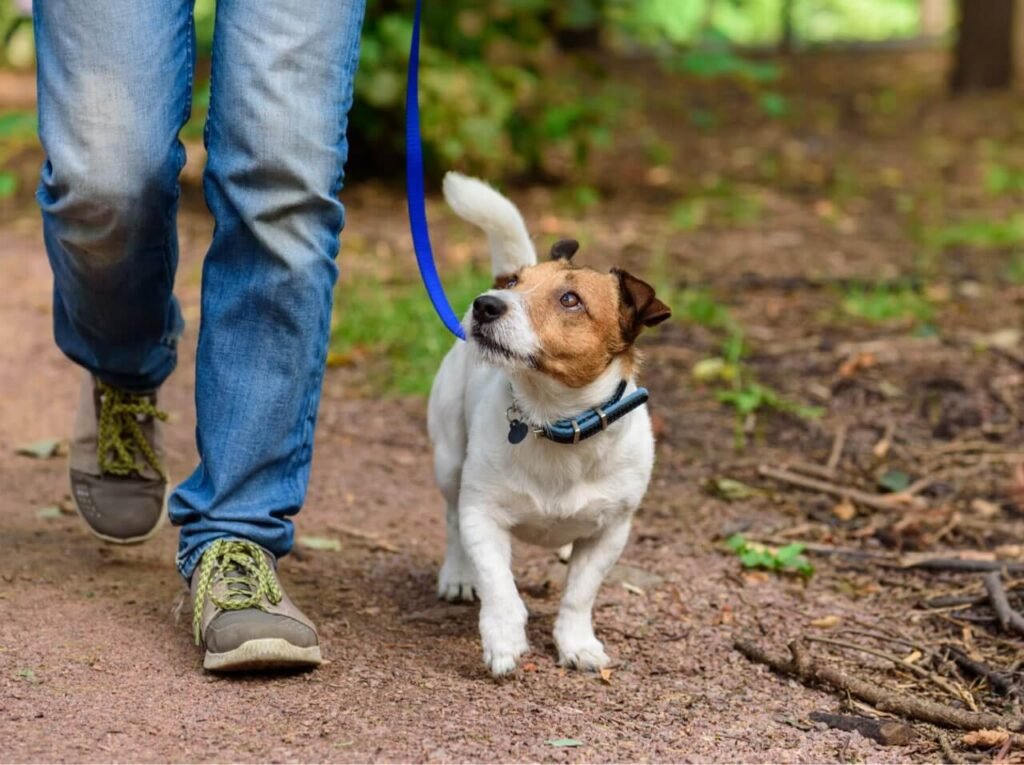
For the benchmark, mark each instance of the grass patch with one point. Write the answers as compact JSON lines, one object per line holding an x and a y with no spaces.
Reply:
{"x":983,"y":234}
{"x":396,"y":325}
{"x":883,"y":304}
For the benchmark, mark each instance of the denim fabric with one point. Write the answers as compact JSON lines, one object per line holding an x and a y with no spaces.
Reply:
{"x":115,"y":84}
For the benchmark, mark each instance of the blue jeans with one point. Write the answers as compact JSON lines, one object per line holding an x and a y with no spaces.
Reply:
{"x":115,"y":88}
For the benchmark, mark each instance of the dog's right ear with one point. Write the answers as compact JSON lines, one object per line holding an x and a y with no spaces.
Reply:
{"x":564,"y":249}
{"x":638,"y":305}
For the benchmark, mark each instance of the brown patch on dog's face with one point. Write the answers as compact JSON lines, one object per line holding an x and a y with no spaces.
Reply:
{"x":583,"y":319}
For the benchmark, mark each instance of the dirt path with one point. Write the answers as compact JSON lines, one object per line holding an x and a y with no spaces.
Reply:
{"x":95,"y":667}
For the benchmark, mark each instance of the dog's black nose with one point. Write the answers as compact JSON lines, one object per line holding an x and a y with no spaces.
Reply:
{"x":488,"y":308}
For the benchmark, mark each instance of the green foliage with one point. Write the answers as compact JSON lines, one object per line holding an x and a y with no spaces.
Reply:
{"x":978,"y":233}
{"x":754,"y":397}
{"x":788,"y":559}
{"x":882,"y":304}
{"x":8,"y":184}
{"x":719,"y":203}
{"x":1002,"y":179}
{"x":1015,"y":269}
{"x":18,"y":125}
{"x":396,"y":323}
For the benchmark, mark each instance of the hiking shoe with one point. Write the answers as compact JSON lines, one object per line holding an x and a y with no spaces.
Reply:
{"x":118,"y":482}
{"x":242,"y":616}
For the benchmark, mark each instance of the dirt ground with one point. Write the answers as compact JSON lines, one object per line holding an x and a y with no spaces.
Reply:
{"x":96,"y":667}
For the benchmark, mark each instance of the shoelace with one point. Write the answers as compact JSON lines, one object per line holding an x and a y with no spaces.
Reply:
{"x":120,"y":433}
{"x":247,"y":576}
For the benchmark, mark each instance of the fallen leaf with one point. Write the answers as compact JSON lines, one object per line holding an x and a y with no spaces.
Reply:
{"x":826,"y":622}
{"x":606,"y":676}
{"x":529,"y":667}
{"x":851,"y":366}
{"x":40,"y":450}
{"x":49,"y":512}
{"x":894,"y":480}
{"x":985,"y":509}
{"x":730,"y":489}
{"x":564,"y":742}
{"x":845,"y":510}
{"x":321,"y":543}
{"x":985,"y":739}
{"x":28,"y":675}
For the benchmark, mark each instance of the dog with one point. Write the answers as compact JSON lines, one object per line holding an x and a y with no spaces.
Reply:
{"x":539,"y":429}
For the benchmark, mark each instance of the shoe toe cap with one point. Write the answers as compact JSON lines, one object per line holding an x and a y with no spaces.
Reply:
{"x":119,"y":509}
{"x":230,"y":629}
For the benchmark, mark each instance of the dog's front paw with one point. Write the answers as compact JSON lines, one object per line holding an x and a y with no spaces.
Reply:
{"x":589,"y":657}
{"x":578,"y":648}
{"x":504,"y":640}
{"x":455,"y":582}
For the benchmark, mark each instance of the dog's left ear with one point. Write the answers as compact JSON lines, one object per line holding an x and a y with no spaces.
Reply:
{"x":564,"y":249}
{"x":639,"y":306}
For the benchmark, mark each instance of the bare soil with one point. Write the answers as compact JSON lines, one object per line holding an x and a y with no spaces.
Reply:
{"x":95,"y":666}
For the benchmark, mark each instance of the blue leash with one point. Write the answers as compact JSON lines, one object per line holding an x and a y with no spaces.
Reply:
{"x":415,"y":194}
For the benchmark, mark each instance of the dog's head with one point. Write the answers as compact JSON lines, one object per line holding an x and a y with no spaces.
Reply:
{"x":566,"y":321}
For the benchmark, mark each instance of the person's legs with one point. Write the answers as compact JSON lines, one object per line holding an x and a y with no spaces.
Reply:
{"x":115,"y":83}
{"x":282,"y":83}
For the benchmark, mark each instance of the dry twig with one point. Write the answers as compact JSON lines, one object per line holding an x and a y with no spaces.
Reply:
{"x":921,"y":672}
{"x":1009,"y":619}
{"x":808,"y":671}
{"x":874,"y":501}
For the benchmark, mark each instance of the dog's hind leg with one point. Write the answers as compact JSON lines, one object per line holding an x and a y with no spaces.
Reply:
{"x":591,"y":560}
{"x":455,"y":581}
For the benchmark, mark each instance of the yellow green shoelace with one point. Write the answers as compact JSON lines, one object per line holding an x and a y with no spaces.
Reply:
{"x":245,"y":572}
{"x":120,"y":432}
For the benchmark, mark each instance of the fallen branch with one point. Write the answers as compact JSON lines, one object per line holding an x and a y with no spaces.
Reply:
{"x":866,"y":499}
{"x":997,"y":681}
{"x":885,"y":732}
{"x":921,"y":672}
{"x":963,"y":564}
{"x":810,"y":672}
{"x":1009,"y":619}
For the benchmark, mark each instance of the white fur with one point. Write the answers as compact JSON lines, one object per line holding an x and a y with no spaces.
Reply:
{"x":539,"y":491}
{"x":483,"y":206}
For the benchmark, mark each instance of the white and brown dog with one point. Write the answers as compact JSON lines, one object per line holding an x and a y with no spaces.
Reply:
{"x":549,"y":363}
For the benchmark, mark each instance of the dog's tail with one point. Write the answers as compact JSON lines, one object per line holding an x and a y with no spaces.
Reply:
{"x":483,"y":206}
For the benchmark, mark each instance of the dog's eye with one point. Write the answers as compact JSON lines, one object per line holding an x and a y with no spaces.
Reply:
{"x":570,"y":300}
{"x":510,"y":283}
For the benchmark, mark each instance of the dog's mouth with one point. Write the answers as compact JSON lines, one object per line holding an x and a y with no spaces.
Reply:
{"x":496,"y":349}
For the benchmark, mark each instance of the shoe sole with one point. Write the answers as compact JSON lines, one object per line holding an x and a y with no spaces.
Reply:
{"x":263,"y":654}
{"x":160,"y":522}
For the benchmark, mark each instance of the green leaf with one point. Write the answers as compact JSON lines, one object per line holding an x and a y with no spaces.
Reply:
{"x":789,"y":553}
{"x":49,"y":512}
{"x":736,"y":542}
{"x":564,"y":742}
{"x":321,"y":543}
{"x":40,"y":450}
{"x":28,"y":675}
{"x":894,"y":480}
{"x":773,"y":104}
{"x":8,"y":184}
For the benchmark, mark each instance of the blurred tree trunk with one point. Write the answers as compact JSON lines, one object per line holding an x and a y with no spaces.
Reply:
{"x":936,"y":17}
{"x":787,"y":39}
{"x":984,"y":49}
{"x":1018,"y":46}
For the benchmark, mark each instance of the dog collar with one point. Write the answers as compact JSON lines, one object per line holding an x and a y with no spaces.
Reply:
{"x":583,"y":426}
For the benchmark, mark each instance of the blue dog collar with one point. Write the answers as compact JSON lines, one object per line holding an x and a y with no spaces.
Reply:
{"x":589,"y":423}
